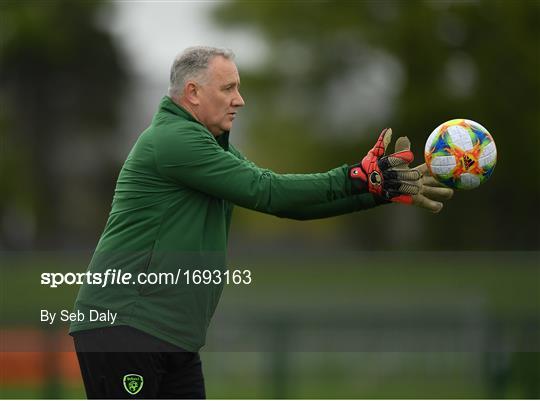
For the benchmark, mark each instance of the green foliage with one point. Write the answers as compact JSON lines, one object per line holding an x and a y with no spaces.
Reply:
{"x":440,"y":60}
{"x":60,"y":80}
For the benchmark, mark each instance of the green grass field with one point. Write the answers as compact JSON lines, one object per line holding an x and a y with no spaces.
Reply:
{"x":501,"y":286}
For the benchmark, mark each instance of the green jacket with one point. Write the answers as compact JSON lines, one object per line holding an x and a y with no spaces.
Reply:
{"x":172,"y":209}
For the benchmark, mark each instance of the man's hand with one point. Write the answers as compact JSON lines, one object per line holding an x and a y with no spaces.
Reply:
{"x":431,"y":193}
{"x":391,"y":180}
{"x":387,"y":177}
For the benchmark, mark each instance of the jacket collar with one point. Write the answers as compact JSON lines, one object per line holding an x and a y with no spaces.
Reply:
{"x":167,"y":104}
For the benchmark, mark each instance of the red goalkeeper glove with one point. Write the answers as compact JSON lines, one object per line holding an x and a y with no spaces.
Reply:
{"x":386,"y":177}
{"x":390,"y":179}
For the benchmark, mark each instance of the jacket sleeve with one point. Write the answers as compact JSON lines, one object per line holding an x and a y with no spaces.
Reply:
{"x":193,"y":158}
{"x":323,"y":210}
{"x":331,"y":209}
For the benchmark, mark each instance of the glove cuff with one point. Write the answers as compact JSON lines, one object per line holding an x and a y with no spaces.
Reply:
{"x":357,"y":179}
{"x":379,"y":200}
{"x":359,"y":185}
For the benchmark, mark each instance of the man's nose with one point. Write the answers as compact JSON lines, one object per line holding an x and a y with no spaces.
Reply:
{"x":238,"y":101}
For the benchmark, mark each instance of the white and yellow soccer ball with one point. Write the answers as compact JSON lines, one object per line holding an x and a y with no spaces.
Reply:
{"x":460,"y":154}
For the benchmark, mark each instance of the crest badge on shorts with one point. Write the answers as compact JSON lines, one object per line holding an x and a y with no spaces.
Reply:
{"x":133,"y":383}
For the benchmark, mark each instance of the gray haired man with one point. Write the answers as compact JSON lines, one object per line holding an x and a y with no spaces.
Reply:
{"x":172,"y":207}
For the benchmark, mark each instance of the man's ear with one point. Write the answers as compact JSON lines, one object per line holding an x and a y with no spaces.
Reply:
{"x":191,"y":93}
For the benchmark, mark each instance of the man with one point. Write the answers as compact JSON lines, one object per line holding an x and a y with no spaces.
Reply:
{"x":172,"y":209}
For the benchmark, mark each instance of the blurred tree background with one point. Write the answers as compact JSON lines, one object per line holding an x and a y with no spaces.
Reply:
{"x":61,"y":79}
{"x":335,"y":75}
{"x":339,"y":72}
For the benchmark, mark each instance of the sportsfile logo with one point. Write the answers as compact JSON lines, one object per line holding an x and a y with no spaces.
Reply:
{"x":133,"y":383}
{"x":118,"y":277}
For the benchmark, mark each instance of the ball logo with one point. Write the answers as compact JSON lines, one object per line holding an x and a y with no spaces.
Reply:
{"x":375,"y":178}
{"x":133,"y":383}
{"x":468,"y":162}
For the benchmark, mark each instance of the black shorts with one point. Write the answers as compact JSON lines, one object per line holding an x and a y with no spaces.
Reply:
{"x":123,"y":362}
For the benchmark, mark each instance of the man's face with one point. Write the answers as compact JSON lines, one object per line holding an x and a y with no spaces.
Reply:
{"x":219,"y":96}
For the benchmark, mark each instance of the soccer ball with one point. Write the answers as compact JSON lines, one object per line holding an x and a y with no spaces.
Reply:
{"x":460,"y":154}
